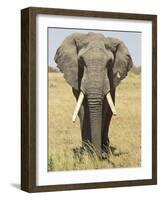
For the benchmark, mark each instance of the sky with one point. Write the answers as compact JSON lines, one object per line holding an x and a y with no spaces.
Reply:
{"x":131,"y":39}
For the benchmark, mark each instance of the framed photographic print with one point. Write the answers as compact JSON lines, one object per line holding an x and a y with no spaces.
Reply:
{"x":88,"y":99}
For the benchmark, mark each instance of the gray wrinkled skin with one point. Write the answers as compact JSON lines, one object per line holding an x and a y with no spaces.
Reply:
{"x":90,"y":63}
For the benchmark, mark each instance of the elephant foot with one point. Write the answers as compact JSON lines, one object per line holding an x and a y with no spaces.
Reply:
{"x":109,"y":150}
{"x":105,"y":155}
{"x":87,"y":148}
{"x":114,"y":151}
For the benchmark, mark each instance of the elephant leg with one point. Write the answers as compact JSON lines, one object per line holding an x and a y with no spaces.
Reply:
{"x":106,"y":119}
{"x":84,"y":120}
{"x":105,"y":131}
{"x":85,"y":123}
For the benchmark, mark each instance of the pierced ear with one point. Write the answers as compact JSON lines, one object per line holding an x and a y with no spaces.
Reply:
{"x":66,"y":58}
{"x":122,"y":59}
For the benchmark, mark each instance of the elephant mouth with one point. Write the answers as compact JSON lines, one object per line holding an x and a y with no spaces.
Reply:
{"x":80,"y":101}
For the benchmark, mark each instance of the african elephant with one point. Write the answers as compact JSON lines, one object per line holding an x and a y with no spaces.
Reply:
{"x":94,"y":65}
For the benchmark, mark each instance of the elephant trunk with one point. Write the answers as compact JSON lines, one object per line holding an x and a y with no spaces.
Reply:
{"x":95,"y":110}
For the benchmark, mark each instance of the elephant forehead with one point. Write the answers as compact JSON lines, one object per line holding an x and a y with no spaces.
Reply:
{"x":97,"y":43}
{"x":96,"y":55}
{"x":96,"y":51}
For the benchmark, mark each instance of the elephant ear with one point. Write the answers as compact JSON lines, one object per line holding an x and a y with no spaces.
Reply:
{"x":66,"y":58}
{"x":122,"y":59}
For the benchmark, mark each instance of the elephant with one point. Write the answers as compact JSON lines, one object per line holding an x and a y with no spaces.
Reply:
{"x":94,"y":65}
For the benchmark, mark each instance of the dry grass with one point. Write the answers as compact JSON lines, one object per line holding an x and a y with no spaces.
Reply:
{"x":64,"y":136}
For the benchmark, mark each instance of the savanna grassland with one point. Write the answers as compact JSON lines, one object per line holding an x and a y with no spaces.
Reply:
{"x":64,"y":136}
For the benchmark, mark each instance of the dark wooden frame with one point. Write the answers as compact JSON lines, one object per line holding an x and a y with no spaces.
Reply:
{"x":28,"y":98}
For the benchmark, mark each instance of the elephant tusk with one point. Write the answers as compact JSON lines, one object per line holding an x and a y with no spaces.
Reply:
{"x":111,"y":104}
{"x":77,"y":107}
{"x":118,"y":75}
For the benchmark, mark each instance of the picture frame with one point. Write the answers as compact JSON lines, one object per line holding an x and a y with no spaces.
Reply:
{"x":29,"y":96}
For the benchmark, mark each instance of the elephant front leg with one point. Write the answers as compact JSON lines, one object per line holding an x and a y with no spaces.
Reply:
{"x":107,"y":115}
{"x":84,"y":120}
{"x":106,"y":120}
{"x":84,"y":124}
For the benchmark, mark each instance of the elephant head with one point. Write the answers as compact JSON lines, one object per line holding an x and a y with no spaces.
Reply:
{"x":93,"y":65}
